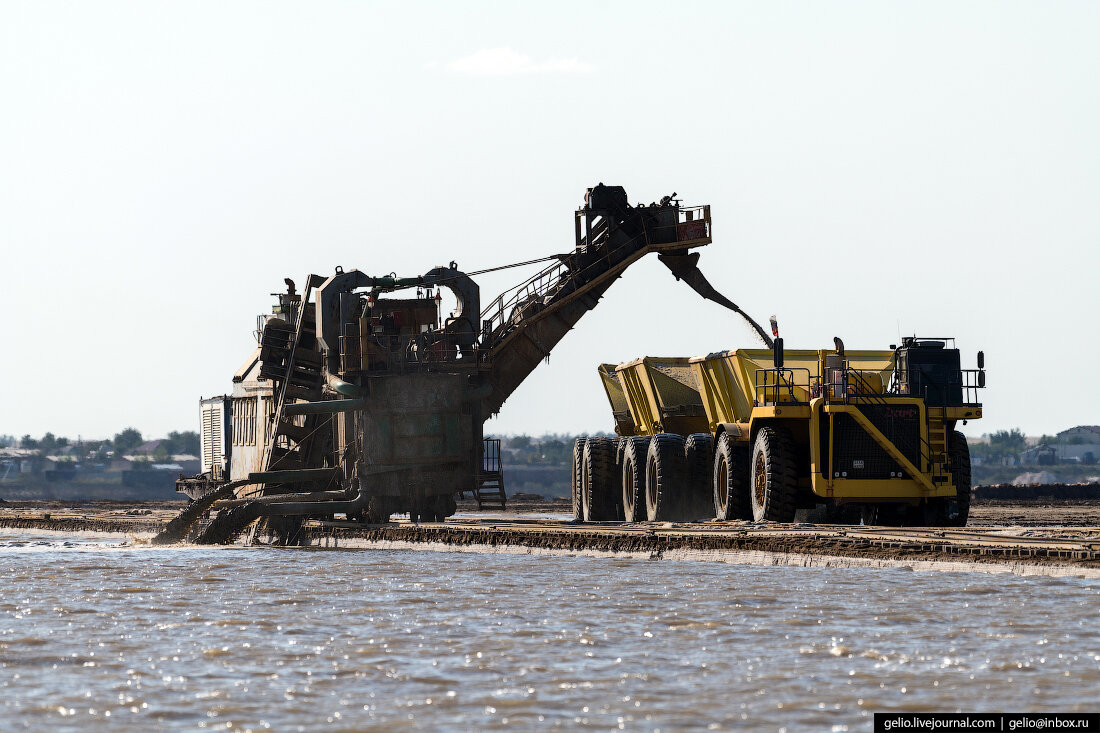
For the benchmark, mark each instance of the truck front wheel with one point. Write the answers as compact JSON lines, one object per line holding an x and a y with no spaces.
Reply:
{"x":774,"y":478}
{"x":958,"y":456}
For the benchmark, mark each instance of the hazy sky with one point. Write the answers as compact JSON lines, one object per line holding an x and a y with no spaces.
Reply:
{"x":874,"y":168}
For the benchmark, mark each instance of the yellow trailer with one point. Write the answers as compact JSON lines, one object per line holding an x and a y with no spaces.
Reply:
{"x":654,"y":395}
{"x":665,"y":441}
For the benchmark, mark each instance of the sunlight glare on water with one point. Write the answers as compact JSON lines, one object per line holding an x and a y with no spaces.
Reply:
{"x":102,"y":633}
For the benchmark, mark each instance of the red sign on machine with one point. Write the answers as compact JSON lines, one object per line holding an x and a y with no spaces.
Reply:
{"x":686,"y":230}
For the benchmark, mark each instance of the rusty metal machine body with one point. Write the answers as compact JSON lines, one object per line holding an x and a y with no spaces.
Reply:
{"x":377,"y":389}
{"x":378,"y":401}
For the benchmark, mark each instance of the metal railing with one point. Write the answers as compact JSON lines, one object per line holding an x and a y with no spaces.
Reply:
{"x":530,"y":291}
{"x":972,"y":381}
{"x":693,"y":223}
{"x":521,"y":302}
{"x":777,"y":386}
{"x":490,"y":455}
{"x":859,"y":387}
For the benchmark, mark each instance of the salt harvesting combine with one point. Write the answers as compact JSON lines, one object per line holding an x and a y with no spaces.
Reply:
{"x":360,"y":400}
{"x":363,"y":401}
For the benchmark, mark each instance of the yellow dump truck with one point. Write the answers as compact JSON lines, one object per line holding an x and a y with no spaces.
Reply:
{"x":760,"y":434}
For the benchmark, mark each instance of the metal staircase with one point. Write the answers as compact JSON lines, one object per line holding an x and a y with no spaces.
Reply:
{"x":936,"y":449}
{"x":489,"y":490}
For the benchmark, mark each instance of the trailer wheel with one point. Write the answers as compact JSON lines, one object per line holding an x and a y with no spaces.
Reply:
{"x":634,"y":452}
{"x":578,"y":461}
{"x":730,"y":480}
{"x":665,"y":476}
{"x":774,"y":478}
{"x":599,"y":494}
{"x":958,"y":456}
{"x":697,"y":457}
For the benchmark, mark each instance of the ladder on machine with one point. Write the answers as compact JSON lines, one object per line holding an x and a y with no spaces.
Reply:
{"x":489,"y":489}
{"x":291,"y":358}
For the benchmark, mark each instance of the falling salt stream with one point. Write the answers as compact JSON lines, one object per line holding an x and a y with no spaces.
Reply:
{"x":126,"y":636}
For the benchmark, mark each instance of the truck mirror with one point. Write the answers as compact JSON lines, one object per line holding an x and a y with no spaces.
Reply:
{"x":981,"y":378}
{"x":981,"y":360}
{"x":777,"y":353}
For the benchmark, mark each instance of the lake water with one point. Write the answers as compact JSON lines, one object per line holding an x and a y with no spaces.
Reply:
{"x":99,"y":633}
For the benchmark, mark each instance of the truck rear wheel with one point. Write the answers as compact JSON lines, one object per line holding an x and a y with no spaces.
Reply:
{"x":665,"y":476}
{"x":774,"y":478}
{"x":730,"y":480}
{"x":697,"y":458}
{"x":599,"y":497}
{"x":958,"y":456}
{"x":634,"y":452}
{"x":578,"y":460}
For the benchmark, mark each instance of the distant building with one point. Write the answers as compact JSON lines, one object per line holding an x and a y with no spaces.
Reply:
{"x":1081,"y":434}
{"x":147,"y":448}
{"x":1079,"y":444}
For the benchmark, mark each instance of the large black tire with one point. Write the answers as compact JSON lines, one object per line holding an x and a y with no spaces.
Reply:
{"x":730,"y":480}
{"x":665,"y":477}
{"x":634,"y":451}
{"x":958,"y":456}
{"x":774,"y":476}
{"x":599,"y":489}
{"x":578,"y":461}
{"x":698,"y":460}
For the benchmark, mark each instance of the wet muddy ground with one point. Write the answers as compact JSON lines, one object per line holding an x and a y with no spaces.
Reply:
{"x":1049,"y":533}
{"x":150,"y":514}
{"x":1064,"y":513}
